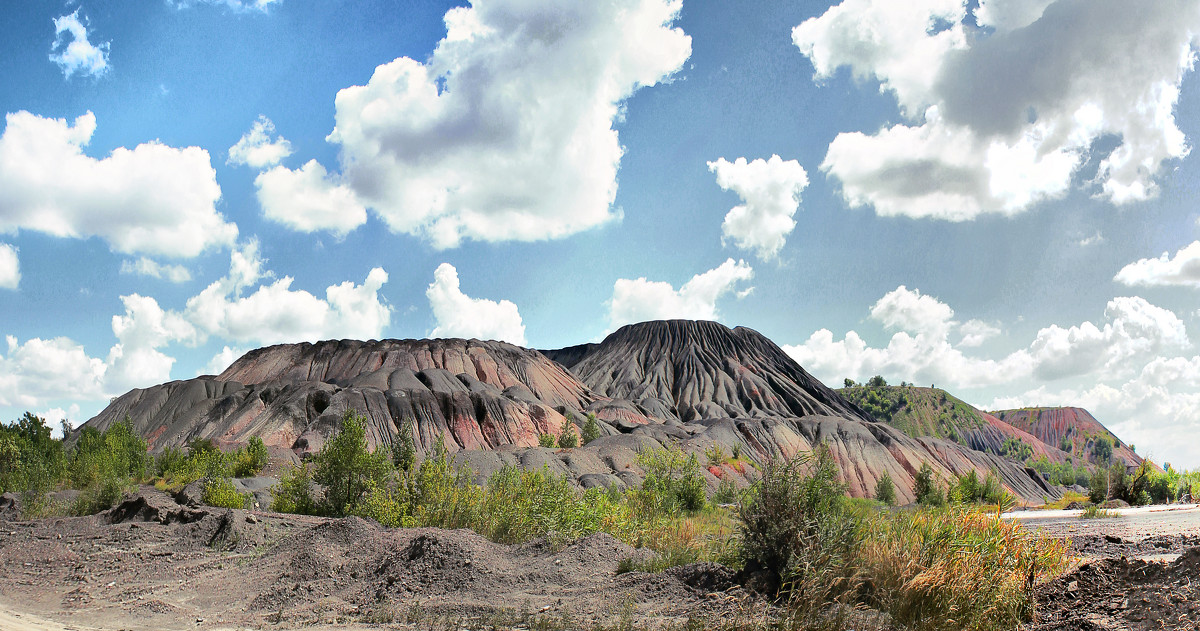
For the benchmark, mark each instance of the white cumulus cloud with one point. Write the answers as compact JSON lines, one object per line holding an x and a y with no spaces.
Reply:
{"x":770,"y":192}
{"x":38,"y":370}
{"x":152,"y":199}
{"x":275,"y":313}
{"x":75,"y":53}
{"x":10,"y":267}
{"x":1181,"y":269}
{"x":309,"y":199}
{"x":921,"y":350}
{"x":506,"y":131}
{"x":459,"y":315}
{"x":640,"y":299}
{"x":1004,"y":116}
{"x":257,"y":149}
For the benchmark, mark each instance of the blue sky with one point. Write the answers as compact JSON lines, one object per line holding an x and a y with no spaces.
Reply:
{"x":994,"y":197}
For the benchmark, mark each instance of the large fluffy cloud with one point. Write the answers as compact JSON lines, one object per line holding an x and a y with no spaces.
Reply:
{"x":459,"y":315}
{"x":75,"y":53}
{"x":921,"y":349}
{"x":152,"y":199}
{"x":640,"y":299}
{"x":770,"y":192}
{"x":275,"y":313}
{"x":10,"y":267}
{"x":1181,"y":269}
{"x":38,"y":370}
{"x":240,"y":307}
{"x":1003,"y":116}
{"x":506,"y":132}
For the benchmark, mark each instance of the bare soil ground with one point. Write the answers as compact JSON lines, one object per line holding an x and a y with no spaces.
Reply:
{"x":151,"y":563}
{"x":1138,"y":571}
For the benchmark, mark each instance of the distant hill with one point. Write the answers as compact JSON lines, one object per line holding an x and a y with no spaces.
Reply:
{"x":1073,"y":428}
{"x":698,"y":386}
{"x":920,"y":411}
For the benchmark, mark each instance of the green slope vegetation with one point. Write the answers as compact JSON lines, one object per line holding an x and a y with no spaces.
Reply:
{"x":917,"y":411}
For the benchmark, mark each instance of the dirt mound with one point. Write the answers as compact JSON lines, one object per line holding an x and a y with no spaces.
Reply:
{"x":1124,"y":594}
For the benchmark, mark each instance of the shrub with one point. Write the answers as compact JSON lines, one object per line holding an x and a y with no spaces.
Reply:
{"x":715,"y":454}
{"x":220,"y":492}
{"x":926,"y":490}
{"x":546,"y":440}
{"x":294,"y":493}
{"x":1093,"y":511}
{"x":1102,"y":449}
{"x":799,"y":530}
{"x":251,"y":459}
{"x":347,"y":468}
{"x":877,"y":382}
{"x":591,"y":429}
{"x":737,"y":451}
{"x":672,"y":482}
{"x":567,"y":438}
{"x":170,"y":462}
{"x":404,"y":450}
{"x":383,"y":505}
{"x":885,"y":490}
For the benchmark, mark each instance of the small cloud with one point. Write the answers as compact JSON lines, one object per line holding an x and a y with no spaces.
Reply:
{"x":75,"y":53}
{"x":154,"y":269}
{"x":639,"y":300}
{"x":10,"y":267}
{"x":237,"y":6}
{"x":1182,"y":269}
{"x":1096,"y":239}
{"x":256,"y":148}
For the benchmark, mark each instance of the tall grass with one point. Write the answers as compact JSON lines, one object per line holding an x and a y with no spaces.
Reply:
{"x":955,"y":568}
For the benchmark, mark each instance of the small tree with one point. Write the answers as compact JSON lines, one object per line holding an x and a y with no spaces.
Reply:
{"x":347,"y":468}
{"x":885,"y":490}
{"x":546,"y":440}
{"x":848,"y":383}
{"x":877,"y":382}
{"x":926,"y":489}
{"x":404,"y":450}
{"x":591,"y":429}
{"x":567,"y":438}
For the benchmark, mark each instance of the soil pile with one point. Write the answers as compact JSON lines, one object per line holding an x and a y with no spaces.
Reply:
{"x":1124,"y":594}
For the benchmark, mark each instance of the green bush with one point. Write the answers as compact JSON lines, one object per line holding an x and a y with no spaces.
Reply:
{"x":567,"y":438}
{"x":251,"y":459}
{"x":404,"y":450}
{"x":926,"y":489}
{"x":546,"y":440}
{"x":591,"y":429}
{"x":673,"y":482}
{"x":885,"y":490}
{"x":385,"y":506}
{"x":220,"y":492}
{"x":294,"y":493}
{"x":347,"y":468}
{"x":799,"y":530}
